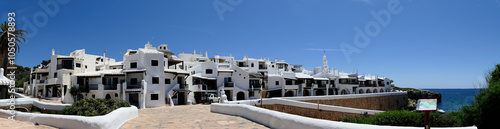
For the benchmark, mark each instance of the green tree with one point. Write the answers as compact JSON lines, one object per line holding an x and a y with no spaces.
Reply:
{"x":4,"y":42}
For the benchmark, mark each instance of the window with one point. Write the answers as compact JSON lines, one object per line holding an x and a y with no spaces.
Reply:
{"x":156,"y":80}
{"x":252,"y":64}
{"x":167,"y":81}
{"x":154,"y":62}
{"x":78,"y":65}
{"x":93,"y":96}
{"x":251,"y":94}
{"x":387,"y":83}
{"x":208,"y":71}
{"x":154,"y":96}
{"x":133,"y":65}
{"x":277,"y":82}
{"x":133,"y":81}
{"x":273,"y":66}
{"x":85,"y":66}
{"x":116,"y":94}
{"x":55,"y":75}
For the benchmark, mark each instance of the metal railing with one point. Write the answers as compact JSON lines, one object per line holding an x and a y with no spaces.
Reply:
{"x":110,"y":87}
{"x":93,"y":86}
{"x":183,"y":86}
{"x":61,"y":66}
{"x":229,"y":84}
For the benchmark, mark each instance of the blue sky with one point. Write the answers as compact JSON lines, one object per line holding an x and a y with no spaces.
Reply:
{"x":425,"y":44}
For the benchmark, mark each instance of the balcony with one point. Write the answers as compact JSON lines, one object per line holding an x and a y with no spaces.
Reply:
{"x":229,"y":84}
{"x":93,"y":86}
{"x":254,"y":86}
{"x":60,"y":66}
{"x":321,"y":85}
{"x":41,"y":81}
{"x":110,"y":87}
{"x":205,"y":86}
{"x":53,"y":81}
{"x":262,"y":67}
{"x":242,"y":65}
{"x":133,"y":85}
{"x":183,"y":86}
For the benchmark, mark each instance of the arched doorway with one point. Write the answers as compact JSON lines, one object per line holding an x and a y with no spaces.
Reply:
{"x":306,"y":93}
{"x":368,"y":91}
{"x":108,"y":96}
{"x":375,"y":91}
{"x":320,"y":92}
{"x":240,"y":96}
{"x":381,"y":90}
{"x":344,"y":92}
{"x":360,"y":91}
{"x":289,"y":94}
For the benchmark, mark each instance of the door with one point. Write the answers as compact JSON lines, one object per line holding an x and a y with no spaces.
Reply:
{"x":54,"y":91}
{"x":115,"y":82}
{"x":134,"y":99}
{"x":181,"y":98}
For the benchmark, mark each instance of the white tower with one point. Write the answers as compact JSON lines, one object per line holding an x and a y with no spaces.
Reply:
{"x":325,"y":62}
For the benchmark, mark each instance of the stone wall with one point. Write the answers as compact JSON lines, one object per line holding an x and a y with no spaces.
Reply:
{"x":313,"y":113}
{"x":385,"y":103}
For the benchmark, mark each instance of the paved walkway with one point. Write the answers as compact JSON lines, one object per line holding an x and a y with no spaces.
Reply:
{"x":188,"y":117}
{"x":10,"y":124}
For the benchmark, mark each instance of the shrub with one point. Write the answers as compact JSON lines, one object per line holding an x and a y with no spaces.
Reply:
{"x":408,"y":118}
{"x":94,"y":107}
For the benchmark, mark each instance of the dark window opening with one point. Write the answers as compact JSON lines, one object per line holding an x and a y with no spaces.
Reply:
{"x":208,"y":71}
{"x":133,"y":81}
{"x":156,"y":80}
{"x":154,"y":96}
{"x":154,"y":62}
{"x":133,"y":65}
{"x":167,"y":81}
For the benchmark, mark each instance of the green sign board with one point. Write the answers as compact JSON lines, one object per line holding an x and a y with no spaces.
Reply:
{"x":427,"y":105}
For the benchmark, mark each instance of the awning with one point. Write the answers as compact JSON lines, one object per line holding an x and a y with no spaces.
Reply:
{"x":322,"y":79}
{"x":134,"y":70}
{"x":289,"y":77}
{"x":198,"y":75}
{"x":88,"y":74}
{"x":175,"y":71}
{"x":303,"y":76}
{"x":225,"y":70}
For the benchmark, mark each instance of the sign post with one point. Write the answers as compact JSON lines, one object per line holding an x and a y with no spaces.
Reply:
{"x":426,"y":106}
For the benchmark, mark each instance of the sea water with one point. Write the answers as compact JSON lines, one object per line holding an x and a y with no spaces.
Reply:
{"x":454,"y":99}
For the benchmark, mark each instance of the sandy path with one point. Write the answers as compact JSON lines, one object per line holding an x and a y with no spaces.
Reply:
{"x":188,"y":117}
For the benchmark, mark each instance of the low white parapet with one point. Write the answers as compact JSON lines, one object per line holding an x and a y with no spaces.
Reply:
{"x":279,"y":120}
{"x":112,"y":120}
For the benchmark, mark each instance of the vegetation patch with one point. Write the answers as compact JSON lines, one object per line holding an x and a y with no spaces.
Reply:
{"x":409,"y":118}
{"x":94,"y":107}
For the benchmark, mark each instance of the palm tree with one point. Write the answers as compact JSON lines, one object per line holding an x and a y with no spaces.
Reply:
{"x":4,"y":43}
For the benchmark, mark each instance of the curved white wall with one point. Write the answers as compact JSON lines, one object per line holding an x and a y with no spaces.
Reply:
{"x":279,"y":120}
{"x":112,"y":120}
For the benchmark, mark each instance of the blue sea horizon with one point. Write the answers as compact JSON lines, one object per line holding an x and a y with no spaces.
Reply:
{"x":454,"y":99}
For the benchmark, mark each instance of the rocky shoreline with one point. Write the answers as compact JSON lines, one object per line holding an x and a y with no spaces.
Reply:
{"x":415,"y":94}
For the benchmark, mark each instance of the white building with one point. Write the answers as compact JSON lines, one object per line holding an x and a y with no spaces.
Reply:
{"x":155,"y":77}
